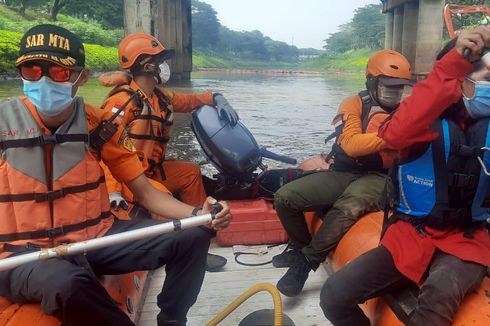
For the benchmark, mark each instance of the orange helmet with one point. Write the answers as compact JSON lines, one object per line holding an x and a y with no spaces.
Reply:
{"x":136,"y":44}
{"x":388,"y":63}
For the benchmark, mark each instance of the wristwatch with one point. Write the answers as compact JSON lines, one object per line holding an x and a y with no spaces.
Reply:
{"x":195,"y":211}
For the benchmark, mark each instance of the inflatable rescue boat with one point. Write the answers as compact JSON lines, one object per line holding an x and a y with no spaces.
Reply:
{"x":237,"y":156}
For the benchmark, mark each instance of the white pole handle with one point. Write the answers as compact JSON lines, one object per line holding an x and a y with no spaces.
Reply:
{"x":97,"y":243}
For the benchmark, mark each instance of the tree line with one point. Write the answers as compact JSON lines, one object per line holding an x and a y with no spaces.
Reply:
{"x":367,"y":29}
{"x":108,"y":13}
{"x":209,"y":35}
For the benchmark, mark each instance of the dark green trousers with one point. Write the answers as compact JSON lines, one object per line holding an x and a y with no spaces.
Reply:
{"x":343,"y":196}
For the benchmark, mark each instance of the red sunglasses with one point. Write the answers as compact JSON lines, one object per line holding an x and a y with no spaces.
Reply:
{"x":34,"y":72}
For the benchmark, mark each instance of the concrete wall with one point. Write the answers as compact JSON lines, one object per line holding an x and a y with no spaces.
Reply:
{"x":398,"y":29}
{"x":173,"y":27}
{"x":389,"y":30}
{"x":414,"y":28}
{"x":137,"y":16}
{"x":429,"y":34}
{"x":410,"y":27}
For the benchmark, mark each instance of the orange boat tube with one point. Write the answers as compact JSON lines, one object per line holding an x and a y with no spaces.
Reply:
{"x":126,"y":289}
{"x":363,"y":236}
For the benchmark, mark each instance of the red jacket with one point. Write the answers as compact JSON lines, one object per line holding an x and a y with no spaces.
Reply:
{"x":410,"y":126}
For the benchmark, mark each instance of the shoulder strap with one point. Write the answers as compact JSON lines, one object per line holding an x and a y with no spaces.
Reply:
{"x":163,"y":99}
{"x":164,"y":102}
{"x":367,"y":103}
{"x":126,"y":89}
{"x":106,"y":129}
{"x":440,"y":152}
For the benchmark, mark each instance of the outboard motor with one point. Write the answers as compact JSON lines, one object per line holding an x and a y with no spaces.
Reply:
{"x":234,"y":152}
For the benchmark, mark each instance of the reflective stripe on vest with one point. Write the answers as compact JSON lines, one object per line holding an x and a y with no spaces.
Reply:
{"x":71,"y":196}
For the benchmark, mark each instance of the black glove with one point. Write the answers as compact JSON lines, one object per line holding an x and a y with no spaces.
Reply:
{"x":225,"y":110}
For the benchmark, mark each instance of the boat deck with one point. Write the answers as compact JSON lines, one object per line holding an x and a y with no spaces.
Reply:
{"x":221,"y":288}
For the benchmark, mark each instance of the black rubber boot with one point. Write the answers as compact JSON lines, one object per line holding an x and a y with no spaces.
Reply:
{"x":294,"y":280}
{"x":288,"y":257}
{"x":164,"y":320}
{"x":214,"y":262}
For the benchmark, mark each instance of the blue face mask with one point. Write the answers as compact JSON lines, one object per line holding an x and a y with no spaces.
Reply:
{"x":478,"y":106}
{"x":50,"y":98}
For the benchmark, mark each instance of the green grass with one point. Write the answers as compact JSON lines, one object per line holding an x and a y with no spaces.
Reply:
{"x":212,"y":60}
{"x":354,"y":60}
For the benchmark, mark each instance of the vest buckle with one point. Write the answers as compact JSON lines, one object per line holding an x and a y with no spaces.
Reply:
{"x":49,"y":139}
{"x":49,"y":196}
{"x":460,"y":180}
{"x":53,"y":232}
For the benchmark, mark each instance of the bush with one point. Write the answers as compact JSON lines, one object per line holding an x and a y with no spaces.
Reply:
{"x":100,"y":58}
{"x":89,"y":31}
{"x":9,"y":51}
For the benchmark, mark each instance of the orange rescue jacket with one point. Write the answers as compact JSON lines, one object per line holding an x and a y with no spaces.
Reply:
{"x":148,"y":120}
{"x":46,"y":206}
{"x":358,"y":147}
{"x":52,"y":188}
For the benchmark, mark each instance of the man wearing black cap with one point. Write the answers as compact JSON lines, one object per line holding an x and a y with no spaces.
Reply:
{"x":53,"y":192}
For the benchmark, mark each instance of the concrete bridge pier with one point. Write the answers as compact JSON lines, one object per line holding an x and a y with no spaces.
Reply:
{"x":414,"y":28}
{"x":170,"y":22}
{"x":173,"y":26}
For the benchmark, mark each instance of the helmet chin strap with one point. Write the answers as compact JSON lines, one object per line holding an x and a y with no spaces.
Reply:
{"x":157,"y":78}
{"x":372,"y":87}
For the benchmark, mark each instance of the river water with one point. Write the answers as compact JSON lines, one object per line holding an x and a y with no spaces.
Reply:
{"x":288,"y":114}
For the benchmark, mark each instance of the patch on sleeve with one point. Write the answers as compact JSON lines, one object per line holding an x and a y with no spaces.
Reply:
{"x":125,"y":142}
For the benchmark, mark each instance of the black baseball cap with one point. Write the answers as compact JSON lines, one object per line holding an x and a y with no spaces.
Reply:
{"x":51,"y":43}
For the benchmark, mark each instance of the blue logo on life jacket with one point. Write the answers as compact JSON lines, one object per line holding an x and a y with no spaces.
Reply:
{"x":417,"y":181}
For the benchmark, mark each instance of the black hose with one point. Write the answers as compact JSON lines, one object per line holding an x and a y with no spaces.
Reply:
{"x":237,"y":254}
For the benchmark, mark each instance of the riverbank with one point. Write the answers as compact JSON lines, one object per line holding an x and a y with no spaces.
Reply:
{"x":352,"y":60}
{"x":311,"y":72}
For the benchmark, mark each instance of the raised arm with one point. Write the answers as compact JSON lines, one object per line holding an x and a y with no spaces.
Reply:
{"x":411,"y":123}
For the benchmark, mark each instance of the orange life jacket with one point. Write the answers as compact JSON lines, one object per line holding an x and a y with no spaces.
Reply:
{"x":149,"y":126}
{"x":372,"y":117}
{"x":52,"y":188}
